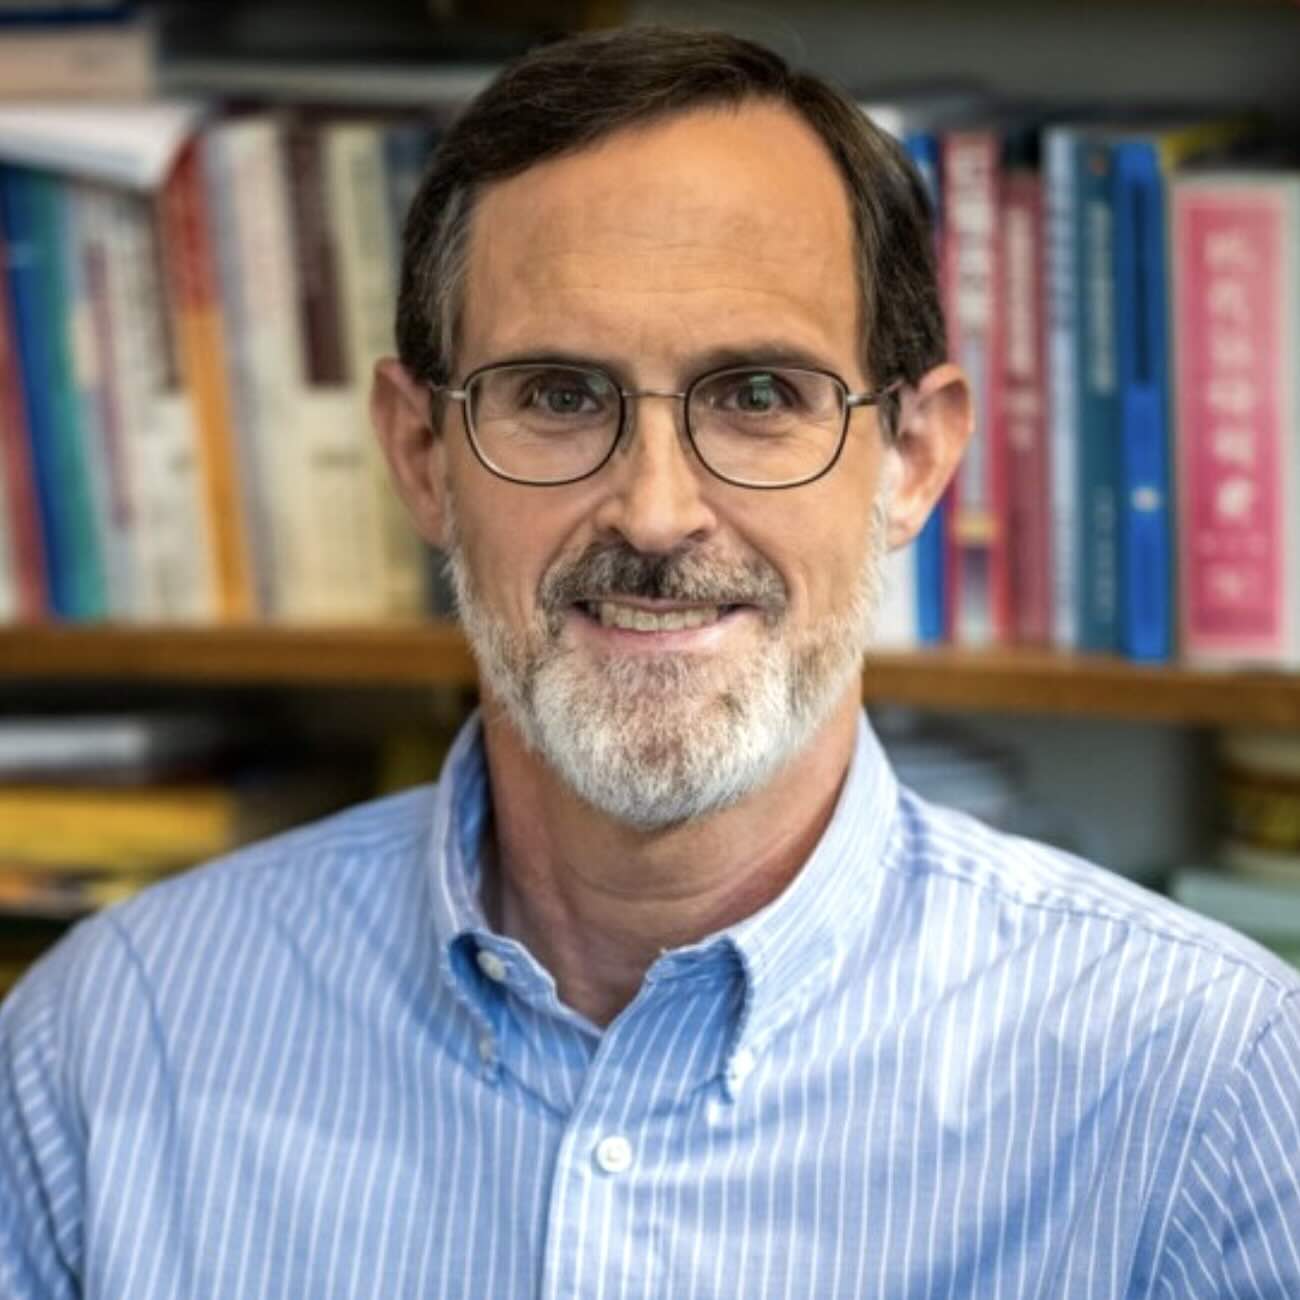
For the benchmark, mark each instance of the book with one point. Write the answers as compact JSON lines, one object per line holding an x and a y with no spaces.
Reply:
{"x":19,"y":510}
{"x":158,"y":827}
{"x":1024,"y":401}
{"x":1236,"y":310}
{"x":99,"y":62}
{"x":362,"y":230}
{"x":189,"y":263}
{"x":160,"y":489}
{"x":304,"y":442}
{"x":1083,"y":389}
{"x":978,"y":587}
{"x":91,"y":344}
{"x":928,"y":564}
{"x":1144,"y":161}
{"x":114,"y":748}
{"x":1147,"y":578}
{"x":33,"y":212}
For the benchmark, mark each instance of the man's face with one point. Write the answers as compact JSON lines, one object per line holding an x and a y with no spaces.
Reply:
{"x":655,"y":254}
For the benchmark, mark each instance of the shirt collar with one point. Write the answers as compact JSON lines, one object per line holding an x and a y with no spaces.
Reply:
{"x":785,"y":951}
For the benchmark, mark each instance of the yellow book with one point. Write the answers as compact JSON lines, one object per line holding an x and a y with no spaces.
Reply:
{"x":154,"y":827}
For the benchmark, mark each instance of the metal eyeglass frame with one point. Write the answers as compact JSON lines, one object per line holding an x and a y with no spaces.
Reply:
{"x":851,"y":401}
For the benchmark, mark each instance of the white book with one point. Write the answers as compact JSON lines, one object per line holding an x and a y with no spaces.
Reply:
{"x":172,"y":578}
{"x":303,"y":438}
{"x":363,"y":239}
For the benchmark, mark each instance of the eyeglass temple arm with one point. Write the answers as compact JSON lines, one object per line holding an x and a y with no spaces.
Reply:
{"x":873,"y":397}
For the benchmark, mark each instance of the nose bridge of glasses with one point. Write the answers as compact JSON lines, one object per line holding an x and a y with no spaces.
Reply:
{"x":631,"y":396}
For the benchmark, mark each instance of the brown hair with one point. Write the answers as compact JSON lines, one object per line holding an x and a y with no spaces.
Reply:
{"x":564,"y":96}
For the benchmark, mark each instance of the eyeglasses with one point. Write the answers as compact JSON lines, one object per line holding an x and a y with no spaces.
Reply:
{"x":545,"y":424}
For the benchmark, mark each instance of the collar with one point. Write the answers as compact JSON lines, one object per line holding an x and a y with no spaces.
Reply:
{"x":783,"y":953}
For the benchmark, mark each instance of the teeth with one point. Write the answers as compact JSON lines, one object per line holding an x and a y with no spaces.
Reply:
{"x":612,"y":614}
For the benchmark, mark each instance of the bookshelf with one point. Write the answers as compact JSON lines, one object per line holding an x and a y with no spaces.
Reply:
{"x":1227,"y":52}
{"x":421,"y":655}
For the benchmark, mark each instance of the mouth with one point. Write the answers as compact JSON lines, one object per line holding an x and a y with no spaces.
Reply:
{"x":654,"y":616}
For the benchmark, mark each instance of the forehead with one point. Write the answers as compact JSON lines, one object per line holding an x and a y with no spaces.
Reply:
{"x":721,"y":223}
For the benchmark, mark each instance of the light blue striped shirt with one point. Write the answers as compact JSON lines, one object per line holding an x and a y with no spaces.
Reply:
{"x":944,"y":1063}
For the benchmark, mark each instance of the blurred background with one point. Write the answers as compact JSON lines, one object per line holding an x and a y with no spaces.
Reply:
{"x":214,"y":622}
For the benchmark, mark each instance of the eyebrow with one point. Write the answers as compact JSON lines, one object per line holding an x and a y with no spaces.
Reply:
{"x":760,"y":352}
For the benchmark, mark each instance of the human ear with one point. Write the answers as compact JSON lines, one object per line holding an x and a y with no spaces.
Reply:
{"x":935,"y":420}
{"x":401,"y":410}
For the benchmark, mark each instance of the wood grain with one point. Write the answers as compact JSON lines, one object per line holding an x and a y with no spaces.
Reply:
{"x":423,"y":654}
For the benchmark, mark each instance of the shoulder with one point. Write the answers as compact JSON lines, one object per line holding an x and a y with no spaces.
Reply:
{"x":315,"y":885}
{"x":1095,"y":930}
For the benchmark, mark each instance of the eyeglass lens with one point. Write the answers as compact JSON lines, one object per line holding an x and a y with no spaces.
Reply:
{"x":755,"y":425}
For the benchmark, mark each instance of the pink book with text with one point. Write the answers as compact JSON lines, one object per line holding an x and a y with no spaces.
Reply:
{"x":1236,"y":320}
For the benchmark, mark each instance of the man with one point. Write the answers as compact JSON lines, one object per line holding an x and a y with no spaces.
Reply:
{"x":667,"y":989}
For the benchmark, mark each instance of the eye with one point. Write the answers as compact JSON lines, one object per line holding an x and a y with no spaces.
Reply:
{"x":758,"y":393}
{"x":565,"y":395}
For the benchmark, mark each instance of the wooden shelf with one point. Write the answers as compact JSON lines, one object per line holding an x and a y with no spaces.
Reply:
{"x":425,"y":654}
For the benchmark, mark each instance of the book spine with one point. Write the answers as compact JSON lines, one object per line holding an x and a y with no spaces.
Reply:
{"x":348,"y":582}
{"x":1237,"y":305}
{"x":1063,"y":326}
{"x":189,"y":266}
{"x":219,"y":179}
{"x":363,"y":235}
{"x":1025,"y":407}
{"x":35,"y":218}
{"x":1099,"y":459}
{"x":172,"y":578}
{"x":21,"y":509}
{"x":98,"y":63}
{"x":930,"y":568}
{"x":269,"y":357}
{"x":977,"y":522}
{"x":135,"y":378}
{"x":1146,"y":543}
{"x":319,"y":307}
{"x":306,"y":444}
{"x":93,"y":362}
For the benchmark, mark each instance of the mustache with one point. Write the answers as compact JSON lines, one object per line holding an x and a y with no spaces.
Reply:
{"x":607,"y":570}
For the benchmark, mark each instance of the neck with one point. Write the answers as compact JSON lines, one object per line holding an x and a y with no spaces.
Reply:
{"x":597,"y":901}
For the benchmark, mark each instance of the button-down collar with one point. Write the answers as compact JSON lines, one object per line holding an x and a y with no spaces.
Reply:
{"x":784,"y":952}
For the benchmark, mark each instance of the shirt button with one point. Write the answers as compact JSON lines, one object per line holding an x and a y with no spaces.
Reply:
{"x":742,"y":1066}
{"x":487,"y":1050}
{"x":614,"y":1155}
{"x":491,"y":965}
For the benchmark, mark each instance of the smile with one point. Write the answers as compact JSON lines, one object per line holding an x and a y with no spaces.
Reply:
{"x":640,"y":618}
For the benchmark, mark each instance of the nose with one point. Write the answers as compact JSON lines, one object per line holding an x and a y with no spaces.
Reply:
{"x":655,"y":500}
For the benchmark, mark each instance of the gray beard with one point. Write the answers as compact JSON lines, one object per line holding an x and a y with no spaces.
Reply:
{"x":652,"y":742}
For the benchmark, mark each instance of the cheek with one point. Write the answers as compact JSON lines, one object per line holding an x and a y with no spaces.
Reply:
{"x":513,"y":537}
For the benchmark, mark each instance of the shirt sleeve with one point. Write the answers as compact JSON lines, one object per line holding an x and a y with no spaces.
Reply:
{"x":1235,"y":1227}
{"x":40,"y":1151}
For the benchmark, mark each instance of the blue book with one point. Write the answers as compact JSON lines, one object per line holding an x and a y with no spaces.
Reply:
{"x":1083,"y":390}
{"x":21,"y":216}
{"x":55,"y":239}
{"x":1142,"y":349}
{"x":931,"y":574}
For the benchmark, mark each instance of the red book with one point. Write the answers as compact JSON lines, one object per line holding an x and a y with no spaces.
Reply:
{"x":978,"y":556}
{"x":1024,"y":407}
{"x":20,"y":506}
{"x":1236,"y":293}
